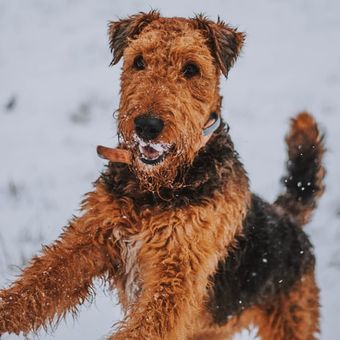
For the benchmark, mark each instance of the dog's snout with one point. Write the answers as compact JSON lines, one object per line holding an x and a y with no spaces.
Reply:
{"x":148,"y":127}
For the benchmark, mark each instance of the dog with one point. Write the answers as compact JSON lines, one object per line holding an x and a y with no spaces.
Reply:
{"x":171,"y":222}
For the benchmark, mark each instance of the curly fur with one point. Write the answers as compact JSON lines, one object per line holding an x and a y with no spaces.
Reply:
{"x":192,"y":253}
{"x":194,"y":184}
{"x":270,"y":256}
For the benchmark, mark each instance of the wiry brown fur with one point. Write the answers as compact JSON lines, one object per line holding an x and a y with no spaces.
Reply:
{"x":159,"y":233}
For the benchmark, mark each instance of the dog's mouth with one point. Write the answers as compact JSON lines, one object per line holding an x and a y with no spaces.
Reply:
{"x":151,"y":153}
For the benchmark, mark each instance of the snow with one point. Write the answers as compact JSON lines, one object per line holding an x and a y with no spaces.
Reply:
{"x":58,"y":95}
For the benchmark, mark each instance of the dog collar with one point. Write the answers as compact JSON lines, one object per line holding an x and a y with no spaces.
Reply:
{"x":214,"y":126}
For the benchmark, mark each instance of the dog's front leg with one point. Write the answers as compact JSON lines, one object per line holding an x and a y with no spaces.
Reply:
{"x":55,"y":282}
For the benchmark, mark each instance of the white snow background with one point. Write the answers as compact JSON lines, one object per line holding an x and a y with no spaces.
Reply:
{"x":57,"y":96}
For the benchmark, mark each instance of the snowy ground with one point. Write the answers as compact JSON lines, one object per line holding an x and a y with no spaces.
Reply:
{"x":57,"y":95}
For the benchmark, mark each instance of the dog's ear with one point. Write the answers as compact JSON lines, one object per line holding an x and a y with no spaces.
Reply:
{"x":121,"y":31}
{"x":224,"y":41}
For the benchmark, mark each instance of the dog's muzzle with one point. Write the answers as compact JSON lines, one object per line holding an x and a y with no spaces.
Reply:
{"x":147,"y":129}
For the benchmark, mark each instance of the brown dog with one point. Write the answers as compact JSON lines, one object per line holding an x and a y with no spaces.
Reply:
{"x":193,"y":254}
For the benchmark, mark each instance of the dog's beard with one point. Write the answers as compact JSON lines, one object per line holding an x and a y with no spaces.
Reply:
{"x":166,"y":174}
{"x":164,"y":169}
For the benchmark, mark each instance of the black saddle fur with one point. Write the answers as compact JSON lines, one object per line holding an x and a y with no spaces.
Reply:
{"x":271,"y":256}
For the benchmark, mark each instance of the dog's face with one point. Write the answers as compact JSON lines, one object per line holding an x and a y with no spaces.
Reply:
{"x":169,"y":88}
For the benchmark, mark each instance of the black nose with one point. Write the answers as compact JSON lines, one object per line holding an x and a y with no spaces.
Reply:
{"x":148,"y":127}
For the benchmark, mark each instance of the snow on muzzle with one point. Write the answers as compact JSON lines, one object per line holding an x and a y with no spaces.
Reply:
{"x":151,"y":153}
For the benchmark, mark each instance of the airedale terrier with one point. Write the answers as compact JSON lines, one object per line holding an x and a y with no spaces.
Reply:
{"x":171,"y":222}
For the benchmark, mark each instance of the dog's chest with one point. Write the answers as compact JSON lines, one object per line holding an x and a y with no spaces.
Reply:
{"x":129,"y":254}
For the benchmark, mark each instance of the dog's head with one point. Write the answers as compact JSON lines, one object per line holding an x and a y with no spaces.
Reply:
{"x":169,"y":88}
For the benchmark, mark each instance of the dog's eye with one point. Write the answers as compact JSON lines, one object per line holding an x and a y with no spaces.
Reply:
{"x":138,"y":63}
{"x":190,"y":70}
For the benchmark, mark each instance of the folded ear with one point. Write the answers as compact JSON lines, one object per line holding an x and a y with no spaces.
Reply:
{"x":224,"y":41}
{"x":121,"y":31}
